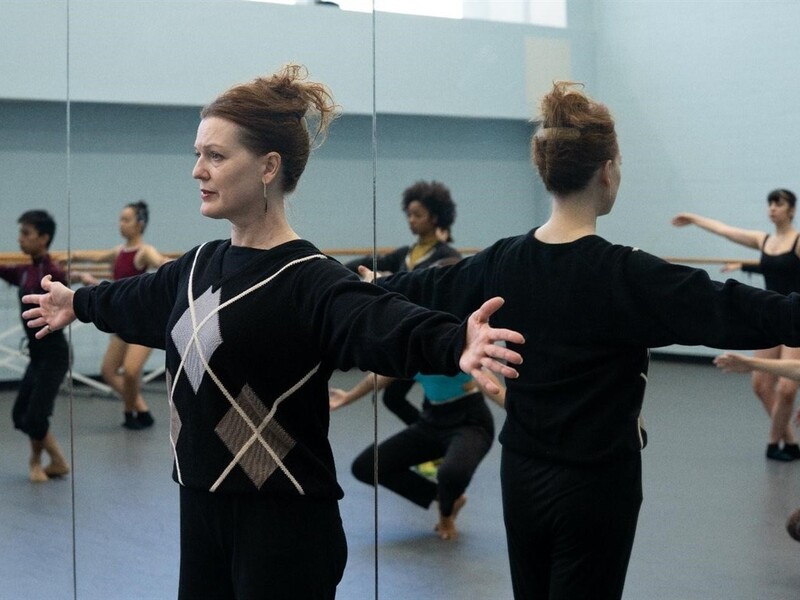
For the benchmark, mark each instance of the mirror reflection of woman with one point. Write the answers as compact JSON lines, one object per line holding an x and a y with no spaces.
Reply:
{"x":123,"y":363}
{"x":590,"y":311}
{"x":780,"y":266}
{"x":253,"y":327}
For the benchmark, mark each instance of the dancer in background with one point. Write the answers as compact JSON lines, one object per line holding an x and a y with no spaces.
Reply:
{"x":455,"y":425}
{"x":431,"y":213}
{"x":49,"y":356}
{"x":123,"y":363}
{"x":253,"y":326}
{"x":731,"y":362}
{"x":780,"y":266}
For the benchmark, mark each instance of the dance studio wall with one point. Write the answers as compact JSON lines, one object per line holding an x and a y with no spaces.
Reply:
{"x":704,"y":100}
{"x":705,"y":96}
{"x":452,"y":100}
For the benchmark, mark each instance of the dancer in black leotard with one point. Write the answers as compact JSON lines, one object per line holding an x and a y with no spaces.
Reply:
{"x":780,"y":265}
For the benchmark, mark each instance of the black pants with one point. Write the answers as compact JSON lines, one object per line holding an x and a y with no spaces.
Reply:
{"x":569,"y":528}
{"x":255,"y":547}
{"x":49,"y":362}
{"x":460,"y":433}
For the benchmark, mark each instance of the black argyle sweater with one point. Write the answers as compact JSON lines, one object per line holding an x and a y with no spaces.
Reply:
{"x":249,"y":354}
{"x":590,"y":310}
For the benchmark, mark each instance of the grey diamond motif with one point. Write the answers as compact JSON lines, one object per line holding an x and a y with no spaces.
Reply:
{"x":209,"y":336}
{"x":235,"y":433}
{"x":174,"y":417}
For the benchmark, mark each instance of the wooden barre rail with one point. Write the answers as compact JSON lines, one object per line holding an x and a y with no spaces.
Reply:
{"x":708,"y":261}
{"x":15,"y":258}
{"x":102,"y":269}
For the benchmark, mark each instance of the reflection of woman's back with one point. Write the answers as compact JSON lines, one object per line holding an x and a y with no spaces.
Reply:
{"x":430,"y":212}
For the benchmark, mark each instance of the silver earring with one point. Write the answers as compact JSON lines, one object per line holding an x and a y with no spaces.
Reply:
{"x":266,"y":204}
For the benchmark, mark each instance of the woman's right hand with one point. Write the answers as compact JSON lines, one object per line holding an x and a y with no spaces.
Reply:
{"x":733,"y":363}
{"x":87,"y":278}
{"x":337,"y":398}
{"x":683,"y":219}
{"x":731,"y":266}
{"x":54,"y":308}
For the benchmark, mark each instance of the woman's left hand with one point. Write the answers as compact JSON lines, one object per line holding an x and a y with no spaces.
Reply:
{"x":481,"y":350}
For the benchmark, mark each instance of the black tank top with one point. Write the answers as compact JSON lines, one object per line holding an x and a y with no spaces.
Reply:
{"x":781,"y":271}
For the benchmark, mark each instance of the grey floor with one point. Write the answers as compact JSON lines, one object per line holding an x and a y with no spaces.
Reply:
{"x":711,"y":527}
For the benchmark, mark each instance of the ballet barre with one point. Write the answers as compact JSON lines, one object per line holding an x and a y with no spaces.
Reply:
{"x":14,"y":358}
{"x":708,"y":261}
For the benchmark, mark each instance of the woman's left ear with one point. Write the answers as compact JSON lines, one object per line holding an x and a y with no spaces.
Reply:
{"x":272,"y":167}
{"x":605,"y":173}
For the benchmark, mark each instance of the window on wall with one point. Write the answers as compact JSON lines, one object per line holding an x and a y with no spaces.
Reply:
{"x":549,"y":13}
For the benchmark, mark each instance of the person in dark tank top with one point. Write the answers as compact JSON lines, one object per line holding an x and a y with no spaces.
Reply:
{"x":780,"y":265}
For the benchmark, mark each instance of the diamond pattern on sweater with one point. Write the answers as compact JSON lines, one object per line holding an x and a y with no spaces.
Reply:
{"x":208,"y":336}
{"x":174,"y":417}
{"x":258,"y":453}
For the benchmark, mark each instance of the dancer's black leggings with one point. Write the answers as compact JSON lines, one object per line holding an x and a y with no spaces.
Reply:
{"x":395,"y":399}
{"x":459,"y":432}
{"x":49,"y":362}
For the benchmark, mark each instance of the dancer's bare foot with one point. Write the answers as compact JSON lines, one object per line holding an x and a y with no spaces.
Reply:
{"x":56,"y":469}
{"x":446,"y":527}
{"x":37,"y":474}
{"x":58,"y":466}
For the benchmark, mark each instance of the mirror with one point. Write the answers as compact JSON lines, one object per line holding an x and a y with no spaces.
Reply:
{"x":137,"y":77}
{"x":453,"y":101}
{"x":139,"y":74}
{"x":35,"y":518}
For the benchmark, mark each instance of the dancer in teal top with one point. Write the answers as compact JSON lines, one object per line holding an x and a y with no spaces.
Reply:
{"x":455,"y":425}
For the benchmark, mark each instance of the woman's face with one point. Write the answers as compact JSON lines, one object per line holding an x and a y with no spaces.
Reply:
{"x":420,"y":220}
{"x":230,"y":175}
{"x":781,"y":212}
{"x":129,"y":227}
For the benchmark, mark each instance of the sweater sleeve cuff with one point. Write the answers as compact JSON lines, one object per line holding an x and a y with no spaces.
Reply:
{"x":461,"y":342}
{"x":82,"y":303}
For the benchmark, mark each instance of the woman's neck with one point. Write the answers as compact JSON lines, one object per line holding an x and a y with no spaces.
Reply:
{"x":783,"y":229}
{"x":264,"y":231}
{"x":571,"y":218}
{"x":133,"y":242}
{"x":427,"y":239}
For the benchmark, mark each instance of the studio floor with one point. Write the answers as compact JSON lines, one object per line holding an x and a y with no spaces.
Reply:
{"x":711,"y":526}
